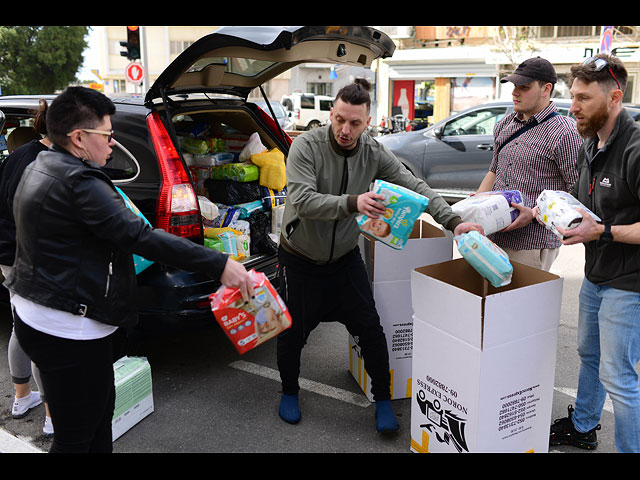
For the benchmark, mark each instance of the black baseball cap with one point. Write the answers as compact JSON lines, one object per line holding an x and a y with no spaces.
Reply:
{"x":532,"y":69}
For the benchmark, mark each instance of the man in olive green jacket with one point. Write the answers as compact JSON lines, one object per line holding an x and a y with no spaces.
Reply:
{"x":322,"y":275}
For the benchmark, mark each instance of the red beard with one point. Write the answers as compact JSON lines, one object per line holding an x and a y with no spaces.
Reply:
{"x":590,"y":126}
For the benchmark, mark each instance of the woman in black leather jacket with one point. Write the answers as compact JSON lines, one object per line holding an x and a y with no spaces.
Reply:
{"x":73,"y":282}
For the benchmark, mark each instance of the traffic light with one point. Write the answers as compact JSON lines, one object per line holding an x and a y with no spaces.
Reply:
{"x":132,"y":44}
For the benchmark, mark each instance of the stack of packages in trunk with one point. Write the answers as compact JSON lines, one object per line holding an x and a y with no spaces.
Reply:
{"x":241,"y":188}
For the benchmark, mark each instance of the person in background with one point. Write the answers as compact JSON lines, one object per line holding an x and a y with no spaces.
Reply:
{"x":541,"y":157}
{"x":322,"y":275}
{"x":24,"y":145}
{"x":609,"y":301}
{"x":73,"y":283}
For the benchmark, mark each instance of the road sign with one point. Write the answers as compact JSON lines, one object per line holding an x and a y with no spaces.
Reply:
{"x":606,"y":39}
{"x":134,"y":72}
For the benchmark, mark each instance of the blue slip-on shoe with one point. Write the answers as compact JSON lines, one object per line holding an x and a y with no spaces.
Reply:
{"x":289,"y":408}
{"x":385,"y":418}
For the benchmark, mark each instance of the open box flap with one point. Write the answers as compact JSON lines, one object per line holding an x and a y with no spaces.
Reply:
{"x":525,"y":306}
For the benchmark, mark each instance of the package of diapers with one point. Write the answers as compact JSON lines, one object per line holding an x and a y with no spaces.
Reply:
{"x":248,"y":324}
{"x":402,"y":208}
{"x":558,"y":209}
{"x":140,"y":263}
{"x":486,"y":258}
{"x":492,"y":210}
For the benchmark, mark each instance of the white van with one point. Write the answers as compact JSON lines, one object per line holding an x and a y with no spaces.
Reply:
{"x":308,"y":110}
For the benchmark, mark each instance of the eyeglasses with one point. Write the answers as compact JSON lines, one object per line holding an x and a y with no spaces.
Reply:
{"x":599,"y":64}
{"x":108,"y":134}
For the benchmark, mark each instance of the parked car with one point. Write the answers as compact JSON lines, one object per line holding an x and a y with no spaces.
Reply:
{"x":283,"y":117}
{"x":208,"y":85}
{"x":308,"y":110}
{"x":454,"y":155}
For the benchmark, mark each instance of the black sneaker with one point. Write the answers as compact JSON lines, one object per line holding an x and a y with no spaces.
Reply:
{"x":564,"y":433}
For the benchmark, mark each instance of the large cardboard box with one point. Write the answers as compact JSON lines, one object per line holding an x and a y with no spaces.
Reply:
{"x":134,"y":395}
{"x":390,"y":276}
{"x":483,"y":359}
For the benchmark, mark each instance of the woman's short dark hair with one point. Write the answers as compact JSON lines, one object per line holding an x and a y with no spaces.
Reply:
{"x":76,"y":107}
{"x":356,"y":93}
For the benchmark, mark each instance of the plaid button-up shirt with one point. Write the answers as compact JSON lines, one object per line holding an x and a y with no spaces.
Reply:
{"x":542,"y":158}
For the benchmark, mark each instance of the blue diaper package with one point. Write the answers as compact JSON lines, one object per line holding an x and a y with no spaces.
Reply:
{"x":403,"y":208}
{"x":486,"y":258}
{"x":139,"y":262}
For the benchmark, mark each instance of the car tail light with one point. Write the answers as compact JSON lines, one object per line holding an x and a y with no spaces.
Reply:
{"x":177,"y":211}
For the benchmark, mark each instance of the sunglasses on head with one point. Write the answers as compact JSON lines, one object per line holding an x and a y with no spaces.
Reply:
{"x":599,"y":64}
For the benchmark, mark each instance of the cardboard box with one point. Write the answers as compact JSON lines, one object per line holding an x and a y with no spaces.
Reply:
{"x":483,"y":359}
{"x":134,"y":396}
{"x":390,"y":276}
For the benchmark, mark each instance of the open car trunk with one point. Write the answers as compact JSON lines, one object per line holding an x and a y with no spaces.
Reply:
{"x":240,"y":209}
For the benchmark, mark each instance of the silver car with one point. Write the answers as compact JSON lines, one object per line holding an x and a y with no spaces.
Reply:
{"x":453,"y":155}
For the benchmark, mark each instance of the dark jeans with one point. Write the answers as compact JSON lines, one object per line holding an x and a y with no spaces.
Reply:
{"x":323,"y":293}
{"x":78,"y":378}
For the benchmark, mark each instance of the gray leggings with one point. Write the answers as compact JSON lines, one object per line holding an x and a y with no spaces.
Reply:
{"x":20,"y":365}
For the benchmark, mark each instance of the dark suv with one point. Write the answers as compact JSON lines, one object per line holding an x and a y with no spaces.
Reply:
{"x":207,"y":85}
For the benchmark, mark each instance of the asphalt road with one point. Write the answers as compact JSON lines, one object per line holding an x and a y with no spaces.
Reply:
{"x":210,"y":399}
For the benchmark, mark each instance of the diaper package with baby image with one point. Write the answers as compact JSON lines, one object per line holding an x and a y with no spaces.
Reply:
{"x":492,"y":210}
{"x":558,"y":209}
{"x":486,"y":258}
{"x":402,"y":208}
{"x":249,"y":324}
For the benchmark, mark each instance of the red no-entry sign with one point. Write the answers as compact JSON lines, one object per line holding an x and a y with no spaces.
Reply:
{"x":134,"y":72}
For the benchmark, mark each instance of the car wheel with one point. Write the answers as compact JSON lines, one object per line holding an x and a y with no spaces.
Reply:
{"x":313,"y":124}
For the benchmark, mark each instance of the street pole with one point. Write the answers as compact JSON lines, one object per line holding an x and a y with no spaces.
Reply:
{"x":145,"y":59}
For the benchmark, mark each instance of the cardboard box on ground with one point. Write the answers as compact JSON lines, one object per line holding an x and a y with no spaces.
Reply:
{"x":134,"y":394}
{"x":390,"y":276}
{"x":483,"y":359}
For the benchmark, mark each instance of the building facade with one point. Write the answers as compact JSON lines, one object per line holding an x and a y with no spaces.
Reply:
{"x":450,"y":68}
{"x":435,"y":70}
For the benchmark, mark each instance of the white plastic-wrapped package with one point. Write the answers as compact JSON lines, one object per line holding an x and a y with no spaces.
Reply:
{"x":486,"y":258}
{"x":558,"y":209}
{"x":492,"y":210}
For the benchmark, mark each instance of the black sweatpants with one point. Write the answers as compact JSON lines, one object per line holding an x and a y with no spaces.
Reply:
{"x":338,"y":292}
{"x":78,"y":378}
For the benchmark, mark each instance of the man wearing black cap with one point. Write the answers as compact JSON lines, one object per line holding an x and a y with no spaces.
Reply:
{"x":535,"y":149}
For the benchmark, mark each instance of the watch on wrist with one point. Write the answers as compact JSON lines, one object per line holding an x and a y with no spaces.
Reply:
{"x":606,"y":236}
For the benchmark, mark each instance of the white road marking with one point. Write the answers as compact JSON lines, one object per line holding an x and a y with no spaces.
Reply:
{"x":11,"y":444}
{"x":328,"y":391}
{"x":572,"y":392}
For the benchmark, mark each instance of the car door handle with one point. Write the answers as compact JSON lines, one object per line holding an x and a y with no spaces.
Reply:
{"x":484,"y":146}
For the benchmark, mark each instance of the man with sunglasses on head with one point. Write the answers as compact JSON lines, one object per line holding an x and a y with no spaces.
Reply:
{"x":535,"y":149}
{"x":609,"y":314}
{"x":73,"y":281}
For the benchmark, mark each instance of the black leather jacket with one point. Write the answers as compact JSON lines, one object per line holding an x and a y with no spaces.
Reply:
{"x":75,"y":239}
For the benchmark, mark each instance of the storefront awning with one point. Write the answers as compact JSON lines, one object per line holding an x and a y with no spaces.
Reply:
{"x":425,"y":71}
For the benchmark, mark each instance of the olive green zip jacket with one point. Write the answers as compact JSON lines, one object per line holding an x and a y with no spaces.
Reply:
{"x":323,"y":183}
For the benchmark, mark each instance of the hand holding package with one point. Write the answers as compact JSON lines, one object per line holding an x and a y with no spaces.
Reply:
{"x":403,"y":208}
{"x":248,"y":324}
{"x":558,"y":209}
{"x":486,"y":258}
{"x":492,"y":210}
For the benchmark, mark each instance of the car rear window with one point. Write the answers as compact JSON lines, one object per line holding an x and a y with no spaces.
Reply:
{"x":247,"y":67}
{"x":122,"y":165}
